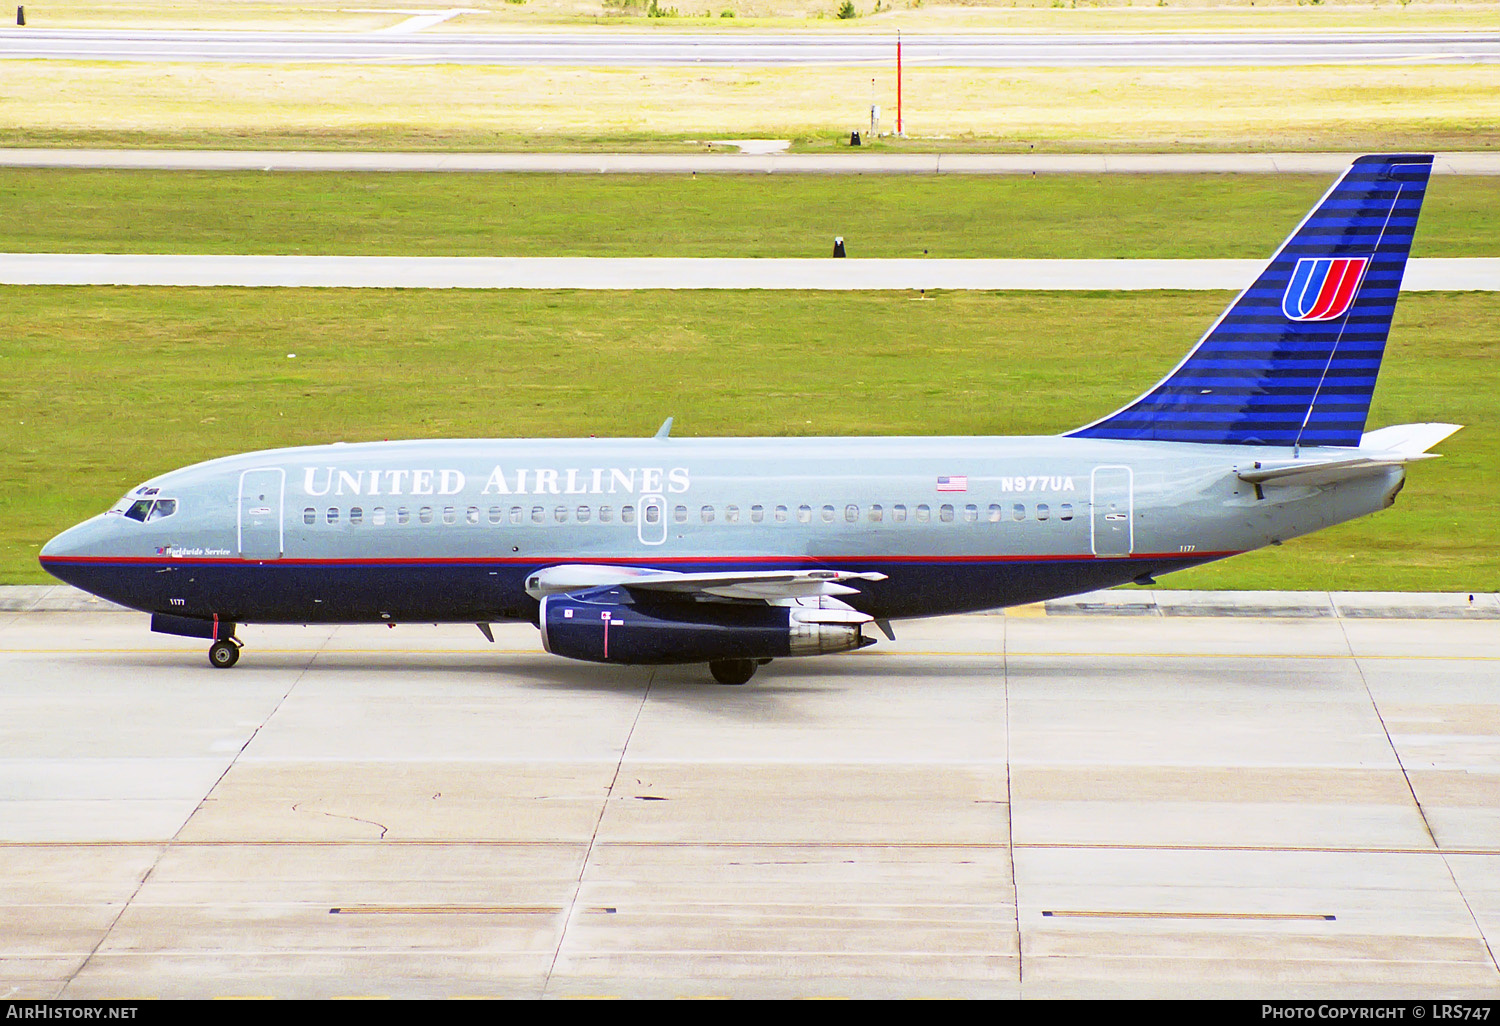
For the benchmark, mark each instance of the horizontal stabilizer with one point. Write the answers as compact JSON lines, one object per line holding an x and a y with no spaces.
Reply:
{"x":1407,"y":438}
{"x":1316,"y":472}
{"x":1388,"y":447}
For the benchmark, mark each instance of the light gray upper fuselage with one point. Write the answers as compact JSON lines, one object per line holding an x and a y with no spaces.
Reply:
{"x":659,"y":499}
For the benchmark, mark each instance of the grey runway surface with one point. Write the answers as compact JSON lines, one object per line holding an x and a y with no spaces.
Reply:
{"x":1020,"y":805}
{"x":1422,"y":275}
{"x":977,"y":49}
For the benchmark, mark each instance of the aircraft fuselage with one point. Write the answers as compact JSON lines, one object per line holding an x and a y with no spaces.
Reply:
{"x":438,"y":531}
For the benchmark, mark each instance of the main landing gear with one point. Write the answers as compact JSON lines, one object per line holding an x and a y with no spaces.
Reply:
{"x":734,"y":671}
{"x":224,"y":653}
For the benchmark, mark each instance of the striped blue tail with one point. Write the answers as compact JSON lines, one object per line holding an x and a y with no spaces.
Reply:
{"x":1293,"y":361}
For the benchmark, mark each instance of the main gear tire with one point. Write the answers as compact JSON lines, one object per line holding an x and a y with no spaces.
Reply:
{"x":733,"y":671}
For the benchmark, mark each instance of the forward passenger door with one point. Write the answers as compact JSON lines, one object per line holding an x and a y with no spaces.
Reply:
{"x":261,"y":498}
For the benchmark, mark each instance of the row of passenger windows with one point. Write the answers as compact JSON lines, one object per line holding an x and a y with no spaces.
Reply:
{"x":653,"y":513}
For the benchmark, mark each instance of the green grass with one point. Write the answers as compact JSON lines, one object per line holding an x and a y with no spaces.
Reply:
{"x":710,"y":215}
{"x":101,"y":388}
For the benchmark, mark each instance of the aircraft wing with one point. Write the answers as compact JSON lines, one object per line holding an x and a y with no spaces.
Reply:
{"x":774,"y":586}
{"x":1388,"y":447}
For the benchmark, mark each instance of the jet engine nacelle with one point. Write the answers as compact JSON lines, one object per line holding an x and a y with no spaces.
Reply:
{"x":608,"y":626}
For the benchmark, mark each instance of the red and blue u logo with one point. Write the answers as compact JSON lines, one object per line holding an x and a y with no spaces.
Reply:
{"x":1322,"y":288}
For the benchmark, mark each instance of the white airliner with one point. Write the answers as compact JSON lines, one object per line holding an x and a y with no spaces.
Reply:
{"x":737,"y":551}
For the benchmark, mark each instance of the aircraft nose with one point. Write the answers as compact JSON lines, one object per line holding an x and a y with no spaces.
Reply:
{"x":71,"y":542}
{"x":58,"y":546}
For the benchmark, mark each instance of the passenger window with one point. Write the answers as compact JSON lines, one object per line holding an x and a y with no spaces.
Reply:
{"x":1018,"y":512}
{"x":971,"y":514}
{"x":403,"y":515}
{"x":497,"y":515}
{"x":605,"y":513}
{"x":679,"y":514}
{"x":827,"y":514}
{"x":851,"y":513}
{"x":627,"y":514}
{"x":707,"y":513}
{"x":1065,"y":511}
{"x":876,"y":513}
{"x":945,"y":513}
{"x":996,"y":513}
{"x":781,"y":514}
{"x":377,"y":516}
{"x":898,"y":513}
{"x":560,"y":514}
{"x":924,"y":514}
{"x":583,"y":514}
{"x":804,"y":514}
{"x":757,"y":514}
{"x":538,"y":515}
{"x":731,"y":514}
{"x":515,"y":514}
{"x":356,"y":515}
{"x":653,"y":513}
{"x":333,"y":514}
{"x":425,"y":514}
{"x":472,"y":515}
{"x":450,"y":515}
{"x":1042,"y":512}
{"x":309,"y":515}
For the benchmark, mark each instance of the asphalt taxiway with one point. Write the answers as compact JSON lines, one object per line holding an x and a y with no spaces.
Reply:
{"x":698,"y":49}
{"x":1111,"y":796}
{"x":1430,"y":274}
{"x":739,"y":156}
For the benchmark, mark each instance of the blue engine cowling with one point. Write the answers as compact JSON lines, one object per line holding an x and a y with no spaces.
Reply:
{"x":609,"y":625}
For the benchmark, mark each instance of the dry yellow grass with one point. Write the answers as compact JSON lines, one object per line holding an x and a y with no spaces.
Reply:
{"x":909,"y":15}
{"x":1355,"y":107}
{"x":489,"y":108}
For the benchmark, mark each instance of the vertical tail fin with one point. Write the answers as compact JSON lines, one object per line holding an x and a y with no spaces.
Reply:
{"x":1293,"y":361}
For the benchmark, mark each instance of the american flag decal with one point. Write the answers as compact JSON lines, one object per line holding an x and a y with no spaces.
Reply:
{"x":958,"y":483}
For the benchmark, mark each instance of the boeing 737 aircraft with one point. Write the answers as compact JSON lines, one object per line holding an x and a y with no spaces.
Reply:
{"x":738,"y":551}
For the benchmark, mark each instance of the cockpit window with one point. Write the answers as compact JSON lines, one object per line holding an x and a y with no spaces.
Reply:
{"x":149,"y":509}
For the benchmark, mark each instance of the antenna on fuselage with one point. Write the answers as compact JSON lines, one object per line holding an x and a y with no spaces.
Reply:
{"x":665,"y":429}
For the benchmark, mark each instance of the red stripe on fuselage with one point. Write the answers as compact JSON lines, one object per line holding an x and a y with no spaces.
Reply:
{"x":619,"y":560}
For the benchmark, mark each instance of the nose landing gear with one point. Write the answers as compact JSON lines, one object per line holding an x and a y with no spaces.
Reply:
{"x":224,"y":653}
